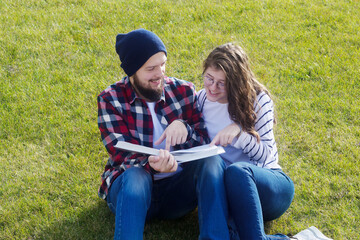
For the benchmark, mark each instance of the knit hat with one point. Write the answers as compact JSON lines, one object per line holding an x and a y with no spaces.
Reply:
{"x":136,"y":47}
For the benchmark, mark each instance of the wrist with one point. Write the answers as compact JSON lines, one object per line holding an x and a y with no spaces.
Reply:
{"x":183,"y":121}
{"x":187,"y":127}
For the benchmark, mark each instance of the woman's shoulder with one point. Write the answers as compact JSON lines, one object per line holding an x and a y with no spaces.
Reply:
{"x":264,"y":102}
{"x":263,"y":98}
{"x":201,"y":93}
{"x":201,"y":97}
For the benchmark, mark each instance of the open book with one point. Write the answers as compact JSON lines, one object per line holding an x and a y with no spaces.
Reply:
{"x":180,"y":156}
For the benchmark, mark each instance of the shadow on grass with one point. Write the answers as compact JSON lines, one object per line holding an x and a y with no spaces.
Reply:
{"x":186,"y":227}
{"x":98,"y":223}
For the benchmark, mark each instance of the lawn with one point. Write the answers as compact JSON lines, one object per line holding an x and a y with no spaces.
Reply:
{"x":56,"y":56}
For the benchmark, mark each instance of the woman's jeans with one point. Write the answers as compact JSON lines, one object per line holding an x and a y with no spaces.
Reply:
{"x":134,"y":198}
{"x":256,"y":195}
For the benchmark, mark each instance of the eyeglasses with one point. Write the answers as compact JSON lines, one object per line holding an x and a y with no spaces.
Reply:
{"x":208,"y":81}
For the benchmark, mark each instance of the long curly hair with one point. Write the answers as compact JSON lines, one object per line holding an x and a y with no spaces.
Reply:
{"x":241,"y":85}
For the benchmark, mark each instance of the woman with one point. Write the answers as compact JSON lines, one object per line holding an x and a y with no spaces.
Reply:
{"x":239,"y":115}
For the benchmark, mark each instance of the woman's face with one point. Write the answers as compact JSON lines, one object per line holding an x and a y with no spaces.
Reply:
{"x":214,"y":84}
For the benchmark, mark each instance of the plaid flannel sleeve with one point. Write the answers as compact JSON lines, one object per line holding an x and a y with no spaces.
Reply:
{"x":113,"y":128}
{"x":192,"y":117}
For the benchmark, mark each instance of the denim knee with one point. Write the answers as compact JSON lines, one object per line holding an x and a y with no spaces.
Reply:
{"x":238,"y":172}
{"x":213,"y":165}
{"x":135,"y":184}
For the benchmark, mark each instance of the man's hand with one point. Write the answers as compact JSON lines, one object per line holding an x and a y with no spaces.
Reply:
{"x":164,"y":162}
{"x":226,"y":136}
{"x":175,"y":133}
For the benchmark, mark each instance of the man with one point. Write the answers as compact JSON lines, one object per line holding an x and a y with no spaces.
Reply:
{"x":149,"y":109}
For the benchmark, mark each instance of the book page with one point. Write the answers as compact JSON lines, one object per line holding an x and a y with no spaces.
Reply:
{"x":131,"y":147}
{"x":196,"y":153}
{"x":194,"y":149}
{"x":184,"y":155}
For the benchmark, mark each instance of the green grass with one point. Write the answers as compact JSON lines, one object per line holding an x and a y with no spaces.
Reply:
{"x":56,"y":56}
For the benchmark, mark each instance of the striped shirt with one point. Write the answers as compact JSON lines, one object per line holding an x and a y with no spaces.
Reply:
{"x":245,"y":147}
{"x":123,"y":116}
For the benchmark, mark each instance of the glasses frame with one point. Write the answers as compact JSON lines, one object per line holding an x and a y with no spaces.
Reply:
{"x":208,"y":82}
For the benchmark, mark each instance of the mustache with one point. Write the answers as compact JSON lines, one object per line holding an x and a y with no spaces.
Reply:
{"x":156,"y":79}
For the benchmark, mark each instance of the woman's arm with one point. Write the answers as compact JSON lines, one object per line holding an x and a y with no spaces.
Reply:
{"x":265,"y":150}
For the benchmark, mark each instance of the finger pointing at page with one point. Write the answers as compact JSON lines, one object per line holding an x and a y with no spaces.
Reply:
{"x":175,"y":133}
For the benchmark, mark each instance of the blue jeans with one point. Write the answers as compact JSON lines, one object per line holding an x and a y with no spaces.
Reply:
{"x":135,"y":198}
{"x":256,"y":194}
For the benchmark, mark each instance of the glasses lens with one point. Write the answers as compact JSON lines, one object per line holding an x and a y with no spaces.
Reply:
{"x":209,"y":81}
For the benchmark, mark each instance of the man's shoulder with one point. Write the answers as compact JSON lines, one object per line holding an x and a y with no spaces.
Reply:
{"x":115,"y":89}
{"x":179,"y":85}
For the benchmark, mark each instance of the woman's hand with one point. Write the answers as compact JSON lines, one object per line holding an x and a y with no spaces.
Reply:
{"x":226,"y":135}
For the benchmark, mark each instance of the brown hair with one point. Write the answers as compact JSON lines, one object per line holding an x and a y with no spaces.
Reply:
{"x":241,"y":85}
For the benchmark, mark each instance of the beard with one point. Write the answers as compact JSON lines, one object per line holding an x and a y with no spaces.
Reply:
{"x":152,"y":95}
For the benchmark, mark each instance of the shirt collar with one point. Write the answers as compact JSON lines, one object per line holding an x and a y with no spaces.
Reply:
{"x":133,"y":94}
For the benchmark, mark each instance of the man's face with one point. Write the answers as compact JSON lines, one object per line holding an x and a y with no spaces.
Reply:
{"x":148,"y":81}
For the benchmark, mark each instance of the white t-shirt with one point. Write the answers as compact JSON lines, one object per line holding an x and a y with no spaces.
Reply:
{"x":216,"y":118}
{"x":158,"y":130}
{"x":245,"y":147}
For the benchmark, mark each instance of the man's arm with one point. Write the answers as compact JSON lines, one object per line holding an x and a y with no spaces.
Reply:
{"x":190,"y":116}
{"x":113,"y":128}
{"x":195,"y":123}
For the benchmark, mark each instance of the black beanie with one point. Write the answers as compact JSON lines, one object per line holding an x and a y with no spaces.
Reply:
{"x":136,"y":47}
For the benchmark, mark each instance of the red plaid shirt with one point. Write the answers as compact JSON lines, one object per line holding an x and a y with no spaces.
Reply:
{"x":123,"y":116}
